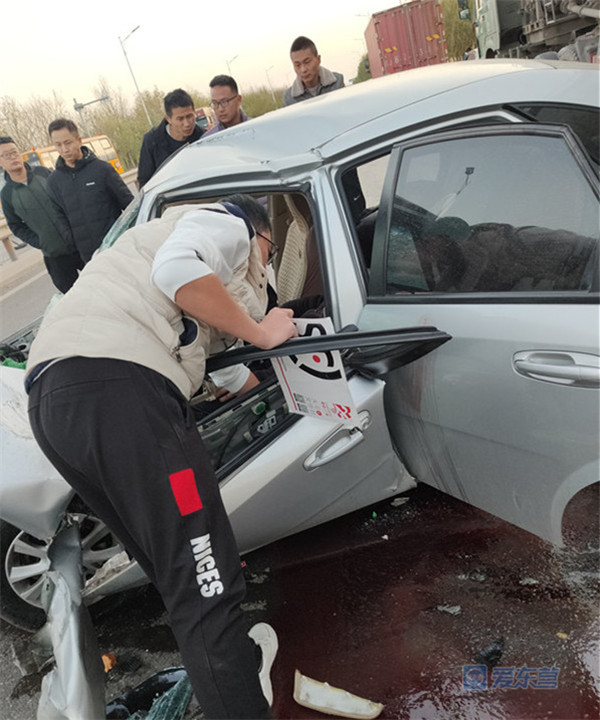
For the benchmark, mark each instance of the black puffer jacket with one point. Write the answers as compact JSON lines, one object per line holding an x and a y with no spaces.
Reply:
{"x":92,"y":196}
{"x":157,"y":146}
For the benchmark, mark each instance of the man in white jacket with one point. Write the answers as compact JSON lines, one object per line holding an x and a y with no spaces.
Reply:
{"x":110,"y":375}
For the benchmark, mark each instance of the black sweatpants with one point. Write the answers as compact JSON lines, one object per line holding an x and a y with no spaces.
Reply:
{"x":63,"y":269}
{"x":125,"y":439}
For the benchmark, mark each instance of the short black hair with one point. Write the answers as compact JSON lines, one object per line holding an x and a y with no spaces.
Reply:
{"x":253,"y":209}
{"x":177,"y":99}
{"x":303,"y":43}
{"x":5,"y":139}
{"x":62,"y":124}
{"x":226,"y":80}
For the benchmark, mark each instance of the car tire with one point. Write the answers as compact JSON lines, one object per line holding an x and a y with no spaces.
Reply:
{"x":24,"y":559}
{"x":13,"y":608}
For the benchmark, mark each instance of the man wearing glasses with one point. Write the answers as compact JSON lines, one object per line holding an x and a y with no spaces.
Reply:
{"x":226,"y":102}
{"x":33,"y":216}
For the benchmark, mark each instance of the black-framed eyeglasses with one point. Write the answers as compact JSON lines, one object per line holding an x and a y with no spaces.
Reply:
{"x":272,"y":247}
{"x":216,"y":104}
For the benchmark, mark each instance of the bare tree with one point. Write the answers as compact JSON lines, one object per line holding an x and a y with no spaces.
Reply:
{"x":27,"y":123}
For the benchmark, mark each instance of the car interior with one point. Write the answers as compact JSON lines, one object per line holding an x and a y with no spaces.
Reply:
{"x":237,"y":429}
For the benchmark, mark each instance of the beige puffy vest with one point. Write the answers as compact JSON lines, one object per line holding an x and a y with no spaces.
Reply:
{"x":114,"y":310}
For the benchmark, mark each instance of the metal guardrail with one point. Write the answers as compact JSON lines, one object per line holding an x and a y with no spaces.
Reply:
{"x":6,"y":235}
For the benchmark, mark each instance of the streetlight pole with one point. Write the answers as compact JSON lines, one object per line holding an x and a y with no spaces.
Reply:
{"x":228,"y":63}
{"x":133,"y":76}
{"x":78,"y":107}
{"x":269,"y":81}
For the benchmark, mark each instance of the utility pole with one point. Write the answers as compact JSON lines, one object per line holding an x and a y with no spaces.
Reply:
{"x":141,"y":97}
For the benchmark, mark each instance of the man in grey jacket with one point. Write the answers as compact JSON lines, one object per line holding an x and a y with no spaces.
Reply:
{"x":312,"y":78}
{"x":35,"y":218}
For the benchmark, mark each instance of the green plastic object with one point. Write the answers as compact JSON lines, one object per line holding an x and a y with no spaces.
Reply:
{"x":14,"y":364}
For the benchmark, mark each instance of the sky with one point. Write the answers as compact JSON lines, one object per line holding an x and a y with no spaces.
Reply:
{"x":68,"y":46}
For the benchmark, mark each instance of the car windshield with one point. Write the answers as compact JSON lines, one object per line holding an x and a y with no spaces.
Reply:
{"x":125,"y":221}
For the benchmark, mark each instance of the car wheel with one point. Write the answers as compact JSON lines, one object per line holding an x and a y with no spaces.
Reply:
{"x":24,"y":559}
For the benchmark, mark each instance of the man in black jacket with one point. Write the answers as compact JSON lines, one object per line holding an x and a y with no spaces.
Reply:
{"x":178,"y":128}
{"x":89,"y":191}
{"x":34,"y":217}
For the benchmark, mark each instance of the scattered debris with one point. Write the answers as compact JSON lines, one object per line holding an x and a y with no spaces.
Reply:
{"x":491,"y":654}
{"x":396,"y":502}
{"x":373,"y":514}
{"x":253,"y":606}
{"x":529,"y":581}
{"x":129,"y":663}
{"x":474,"y":575}
{"x":109,"y":661}
{"x":385,"y":537}
{"x":111,"y":567}
{"x":257,"y":578}
{"x":166,"y":694}
{"x":331,"y":700}
{"x":450,"y":609}
{"x":562,"y":635}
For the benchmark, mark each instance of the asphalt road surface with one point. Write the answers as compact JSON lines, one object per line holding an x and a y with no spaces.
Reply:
{"x":391,"y":603}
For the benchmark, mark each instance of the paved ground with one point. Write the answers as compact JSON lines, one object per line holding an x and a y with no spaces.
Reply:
{"x":390,"y":603}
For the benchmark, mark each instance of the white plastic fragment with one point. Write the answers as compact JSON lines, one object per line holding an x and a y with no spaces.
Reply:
{"x":528,"y":581}
{"x":396,"y":502}
{"x":450,"y":609}
{"x":331,"y":700}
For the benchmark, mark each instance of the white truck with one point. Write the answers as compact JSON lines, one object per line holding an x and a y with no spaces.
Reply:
{"x":556,"y":29}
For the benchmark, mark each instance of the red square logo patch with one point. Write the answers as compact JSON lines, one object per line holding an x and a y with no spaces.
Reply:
{"x":183,"y":485}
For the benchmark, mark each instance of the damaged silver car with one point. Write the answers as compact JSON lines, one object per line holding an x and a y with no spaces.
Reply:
{"x":448,"y":217}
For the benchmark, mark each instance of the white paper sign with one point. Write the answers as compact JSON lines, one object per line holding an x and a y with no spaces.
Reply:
{"x":315,"y":384}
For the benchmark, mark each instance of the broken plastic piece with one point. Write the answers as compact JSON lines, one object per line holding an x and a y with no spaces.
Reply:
{"x":396,"y":502}
{"x":109,"y":660}
{"x":562,"y":635}
{"x":450,"y":609}
{"x":331,"y":700}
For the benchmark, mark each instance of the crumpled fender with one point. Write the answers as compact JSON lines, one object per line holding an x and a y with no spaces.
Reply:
{"x":33,"y":496}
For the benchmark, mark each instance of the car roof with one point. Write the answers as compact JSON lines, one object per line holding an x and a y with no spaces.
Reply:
{"x":314,"y":131}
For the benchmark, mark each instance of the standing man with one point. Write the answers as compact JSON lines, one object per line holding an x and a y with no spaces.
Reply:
{"x":109,"y":377}
{"x":176,"y":129}
{"x":35,"y":218}
{"x":89,"y":191}
{"x":226,"y":101}
{"x":312,"y":78}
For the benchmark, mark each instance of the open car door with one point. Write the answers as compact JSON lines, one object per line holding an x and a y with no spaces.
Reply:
{"x":281,"y":473}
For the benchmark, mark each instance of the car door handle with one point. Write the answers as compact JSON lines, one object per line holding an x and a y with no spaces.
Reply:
{"x":340,"y":442}
{"x":563,"y":368}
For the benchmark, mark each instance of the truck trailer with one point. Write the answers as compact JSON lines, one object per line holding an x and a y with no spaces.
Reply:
{"x":558,"y":29}
{"x":406,"y":36}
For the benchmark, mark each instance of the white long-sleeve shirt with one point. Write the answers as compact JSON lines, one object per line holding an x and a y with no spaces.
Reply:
{"x":201,"y":245}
